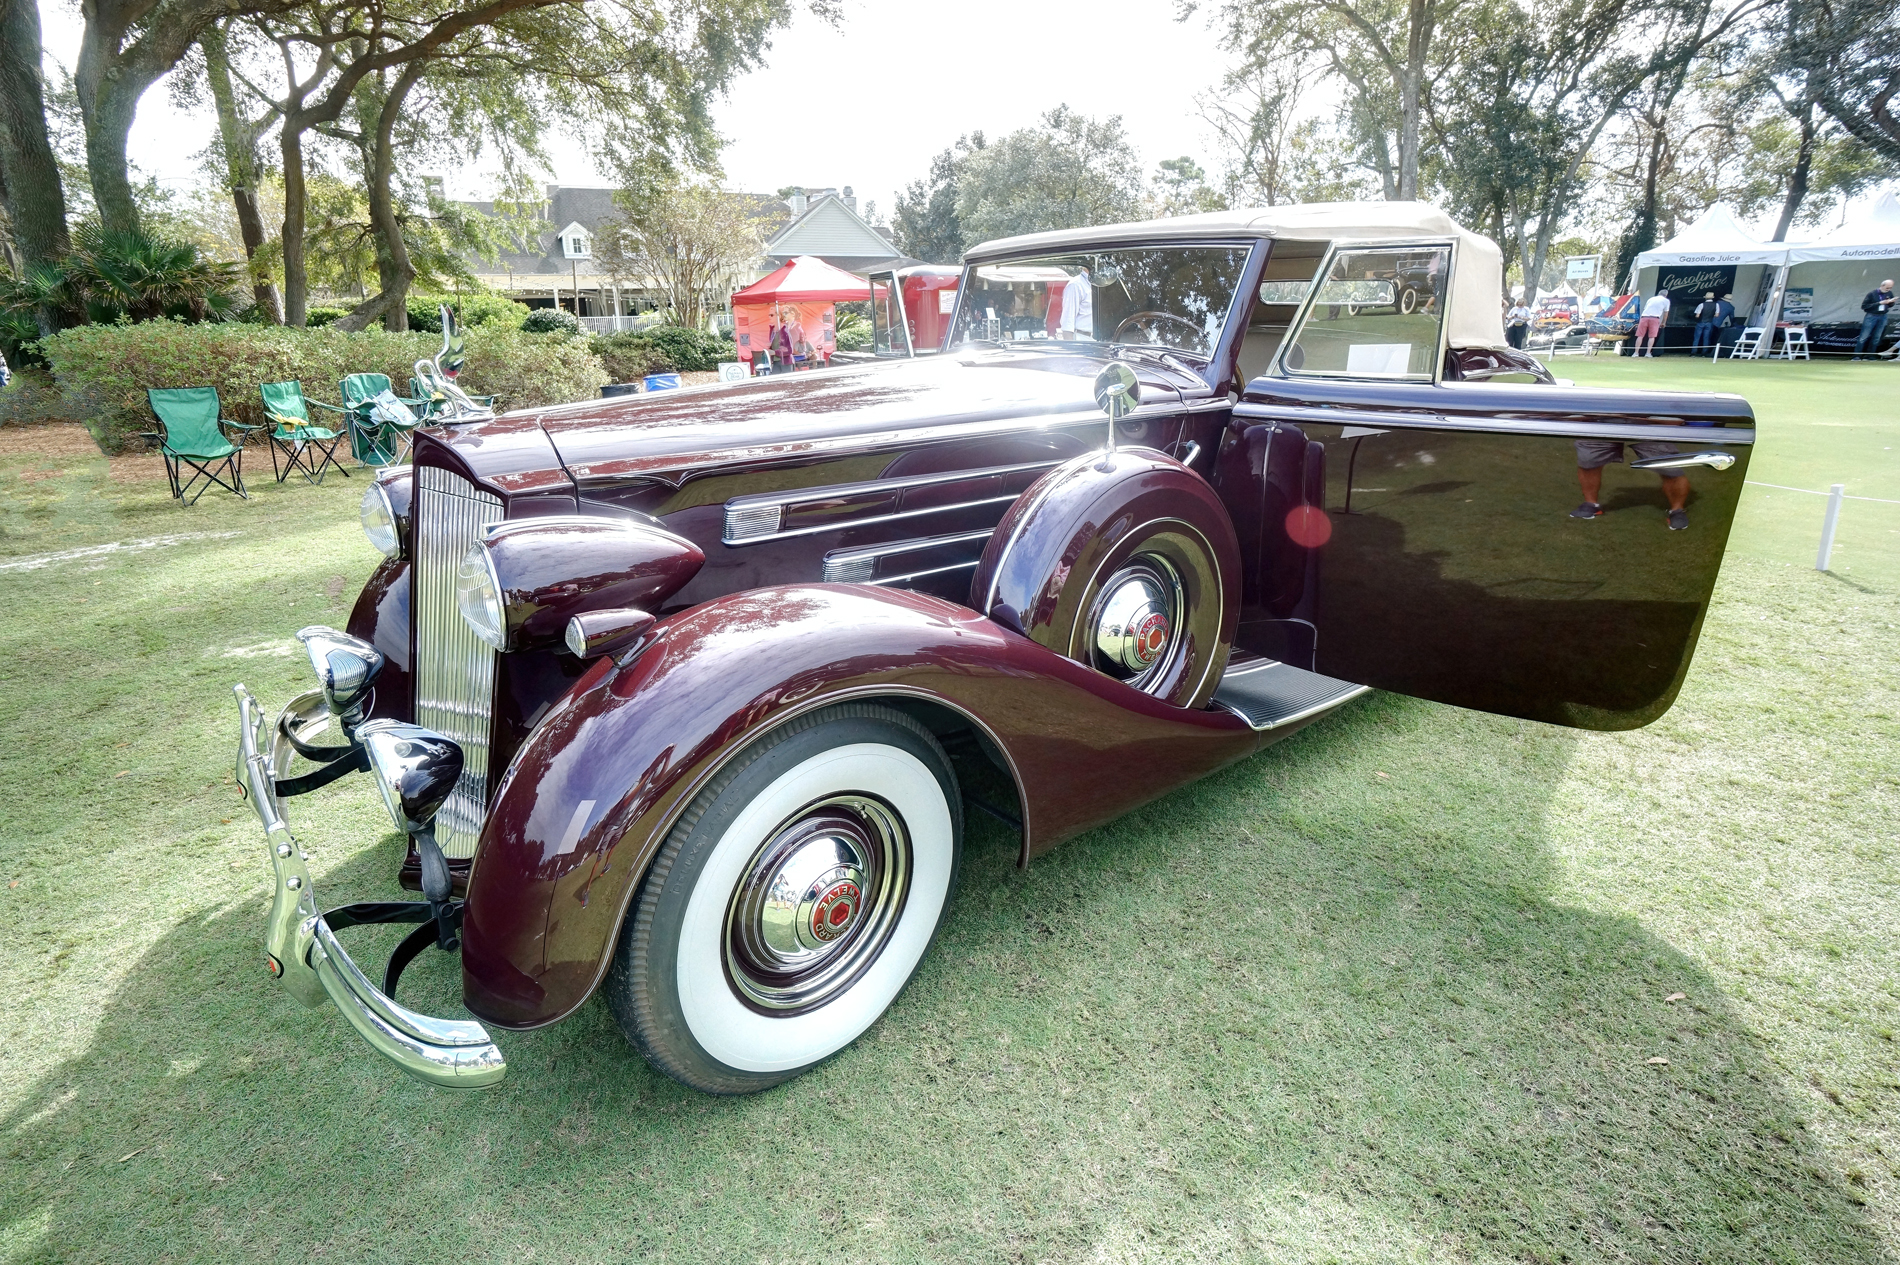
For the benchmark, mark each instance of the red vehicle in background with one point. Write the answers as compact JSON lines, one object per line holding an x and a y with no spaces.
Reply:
{"x":911,"y":315}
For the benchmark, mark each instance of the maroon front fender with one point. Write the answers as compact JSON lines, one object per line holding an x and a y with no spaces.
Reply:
{"x":589,"y":798}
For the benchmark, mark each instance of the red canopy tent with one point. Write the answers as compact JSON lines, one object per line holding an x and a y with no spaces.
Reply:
{"x":802,"y":295}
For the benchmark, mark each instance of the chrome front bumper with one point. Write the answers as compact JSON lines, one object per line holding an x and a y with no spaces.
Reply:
{"x":304,"y":954}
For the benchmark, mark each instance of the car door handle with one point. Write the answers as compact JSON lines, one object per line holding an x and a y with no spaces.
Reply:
{"x":1715,"y":460}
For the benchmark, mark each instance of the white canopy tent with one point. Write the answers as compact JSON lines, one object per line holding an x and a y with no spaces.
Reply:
{"x":1713,"y":254}
{"x":1827,"y":278}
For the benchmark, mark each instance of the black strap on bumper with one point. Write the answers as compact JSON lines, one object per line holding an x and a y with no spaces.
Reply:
{"x":436,"y":887}
{"x":355,"y":761}
{"x":373,"y":912}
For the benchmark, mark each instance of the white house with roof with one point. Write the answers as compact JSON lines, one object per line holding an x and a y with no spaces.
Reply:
{"x":554,"y":265}
{"x":827,"y":224}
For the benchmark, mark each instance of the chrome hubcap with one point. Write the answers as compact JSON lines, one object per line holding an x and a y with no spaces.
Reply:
{"x":817,"y":904}
{"x":1132,"y":628}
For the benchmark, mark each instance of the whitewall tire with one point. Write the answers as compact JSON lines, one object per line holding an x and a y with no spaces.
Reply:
{"x":792,"y":902}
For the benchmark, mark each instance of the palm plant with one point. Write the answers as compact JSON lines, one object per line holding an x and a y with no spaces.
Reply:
{"x":142,"y":278}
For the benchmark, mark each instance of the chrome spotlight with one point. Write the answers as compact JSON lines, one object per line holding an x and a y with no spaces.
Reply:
{"x":415,"y":769}
{"x":346,"y":667}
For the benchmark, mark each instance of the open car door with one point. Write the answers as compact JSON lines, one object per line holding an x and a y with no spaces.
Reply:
{"x":890,"y":330}
{"x":1432,"y":537}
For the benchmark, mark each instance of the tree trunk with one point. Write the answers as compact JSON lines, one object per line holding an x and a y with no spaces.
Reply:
{"x":240,"y":165}
{"x":35,"y":196}
{"x":394,"y":271}
{"x":1418,"y":35}
{"x":109,"y":92}
{"x":1798,"y":178}
{"x":296,"y":282}
{"x":251,"y":228}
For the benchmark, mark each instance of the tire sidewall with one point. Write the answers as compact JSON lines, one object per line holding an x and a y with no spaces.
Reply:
{"x":689,"y":1022}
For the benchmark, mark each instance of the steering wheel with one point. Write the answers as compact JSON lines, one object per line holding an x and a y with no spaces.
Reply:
{"x":1136,"y":317}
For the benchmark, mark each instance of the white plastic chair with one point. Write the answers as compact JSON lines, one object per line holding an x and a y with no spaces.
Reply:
{"x":1794,"y":344}
{"x":1748,"y":346}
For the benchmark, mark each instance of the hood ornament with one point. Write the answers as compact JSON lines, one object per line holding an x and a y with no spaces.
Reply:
{"x":436,"y":376}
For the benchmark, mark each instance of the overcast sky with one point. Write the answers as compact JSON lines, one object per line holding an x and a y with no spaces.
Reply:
{"x":869,"y":102}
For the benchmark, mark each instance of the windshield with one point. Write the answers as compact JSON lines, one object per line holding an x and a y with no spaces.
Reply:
{"x":1172,"y":297}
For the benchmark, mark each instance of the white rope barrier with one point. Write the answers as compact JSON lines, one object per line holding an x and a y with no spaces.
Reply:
{"x":1811,"y":492}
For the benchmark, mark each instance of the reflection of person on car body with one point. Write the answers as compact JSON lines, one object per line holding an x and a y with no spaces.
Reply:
{"x":1594,"y":454}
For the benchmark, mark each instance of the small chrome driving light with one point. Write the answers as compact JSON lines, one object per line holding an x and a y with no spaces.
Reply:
{"x":379,"y":521}
{"x":606,"y":632}
{"x":415,"y":769}
{"x":346,"y":667}
{"x":478,"y":594}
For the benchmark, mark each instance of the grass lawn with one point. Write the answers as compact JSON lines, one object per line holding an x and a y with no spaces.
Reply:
{"x":1392,"y":991}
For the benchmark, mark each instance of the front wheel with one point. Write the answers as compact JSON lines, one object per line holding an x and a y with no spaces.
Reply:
{"x":792,"y":902}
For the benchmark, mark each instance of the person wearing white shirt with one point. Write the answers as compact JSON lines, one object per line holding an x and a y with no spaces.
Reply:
{"x":1655,"y":312}
{"x":1517,"y":324}
{"x":1078,"y":309}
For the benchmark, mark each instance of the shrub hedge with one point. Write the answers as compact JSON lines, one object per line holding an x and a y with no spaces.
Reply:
{"x":629,"y":357}
{"x":102,"y":371}
{"x":475,"y":309}
{"x":551,"y":320}
{"x":691,"y":350}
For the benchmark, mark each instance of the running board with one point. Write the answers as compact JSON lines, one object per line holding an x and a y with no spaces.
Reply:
{"x":1268,"y":694}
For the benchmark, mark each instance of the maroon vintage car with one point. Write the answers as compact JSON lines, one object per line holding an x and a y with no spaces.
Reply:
{"x":683,"y":698}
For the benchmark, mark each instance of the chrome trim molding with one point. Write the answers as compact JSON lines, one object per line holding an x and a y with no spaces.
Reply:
{"x":304,"y":953}
{"x":454,"y":669}
{"x":760,"y":516}
{"x":1661,"y":431}
{"x":856,"y":566}
{"x":909,"y":577}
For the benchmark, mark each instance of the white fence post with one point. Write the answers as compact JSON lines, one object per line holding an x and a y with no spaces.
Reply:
{"x":1834,"y":497}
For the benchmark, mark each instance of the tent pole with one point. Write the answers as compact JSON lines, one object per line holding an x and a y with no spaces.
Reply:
{"x":1770,"y":313}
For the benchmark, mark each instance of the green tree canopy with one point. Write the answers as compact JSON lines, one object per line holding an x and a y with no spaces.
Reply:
{"x":1071,"y":171}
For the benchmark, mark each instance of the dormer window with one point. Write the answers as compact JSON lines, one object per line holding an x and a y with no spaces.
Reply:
{"x":576,"y":243}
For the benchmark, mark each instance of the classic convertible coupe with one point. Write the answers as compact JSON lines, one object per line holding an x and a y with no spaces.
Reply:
{"x":682,"y":698}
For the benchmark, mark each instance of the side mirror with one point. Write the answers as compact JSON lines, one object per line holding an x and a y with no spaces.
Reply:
{"x":346,"y":667}
{"x":1117,"y":392}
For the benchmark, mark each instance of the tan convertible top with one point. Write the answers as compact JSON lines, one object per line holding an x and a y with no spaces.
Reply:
{"x":1474,"y":311}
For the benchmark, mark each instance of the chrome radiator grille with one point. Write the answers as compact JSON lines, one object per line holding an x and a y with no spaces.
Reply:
{"x":454,"y":671}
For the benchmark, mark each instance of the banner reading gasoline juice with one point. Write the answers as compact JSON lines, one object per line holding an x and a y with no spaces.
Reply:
{"x":1686,"y":286}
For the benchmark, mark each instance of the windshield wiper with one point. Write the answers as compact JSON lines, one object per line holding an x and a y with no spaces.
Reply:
{"x":1166,"y":355}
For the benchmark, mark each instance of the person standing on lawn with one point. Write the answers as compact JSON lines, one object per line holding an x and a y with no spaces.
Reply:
{"x":1707,"y":314}
{"x":1517,"y":324}
{"x":1649,"y":328}
{"x":1873,"y":325}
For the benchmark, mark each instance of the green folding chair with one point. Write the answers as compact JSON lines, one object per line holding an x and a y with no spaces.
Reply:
{"x":191,"y":433}
{"x":376,"y":440}
{"x":307,"y":449}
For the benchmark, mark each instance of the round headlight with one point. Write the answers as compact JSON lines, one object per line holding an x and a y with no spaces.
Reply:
{"x":379,"y":521}
{"x":478,"y":594}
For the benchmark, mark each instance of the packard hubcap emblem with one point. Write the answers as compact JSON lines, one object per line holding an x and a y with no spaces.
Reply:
{"x":1134,"y":623}
{"x":1151,"y":637}
{"x":817,"y":905}
{"x":831,"y":916}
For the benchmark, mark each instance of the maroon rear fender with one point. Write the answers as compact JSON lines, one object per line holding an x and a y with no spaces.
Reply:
{"x":589,"y":798}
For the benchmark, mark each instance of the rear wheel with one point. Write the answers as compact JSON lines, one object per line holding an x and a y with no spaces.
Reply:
{"x":792,"y":902}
